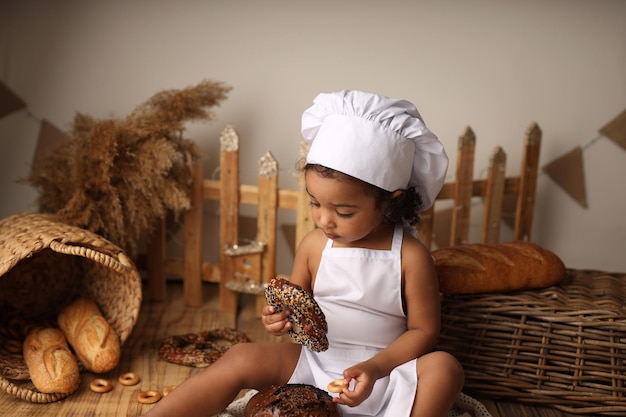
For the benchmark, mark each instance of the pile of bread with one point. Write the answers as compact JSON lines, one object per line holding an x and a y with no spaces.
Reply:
{"x":53,"y":367}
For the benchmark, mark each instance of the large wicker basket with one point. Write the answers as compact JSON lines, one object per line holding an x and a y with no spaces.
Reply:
{"x":562,"y":347}
{"x":45,"y":264}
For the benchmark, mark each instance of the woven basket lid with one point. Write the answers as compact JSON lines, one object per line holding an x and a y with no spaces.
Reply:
{"x":46,"y":264}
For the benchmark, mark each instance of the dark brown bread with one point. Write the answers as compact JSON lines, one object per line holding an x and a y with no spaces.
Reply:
{"x":484,"y":268}
{"x":292,"y":400}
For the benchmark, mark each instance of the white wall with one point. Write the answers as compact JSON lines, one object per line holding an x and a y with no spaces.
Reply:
{"x":494,"y":65}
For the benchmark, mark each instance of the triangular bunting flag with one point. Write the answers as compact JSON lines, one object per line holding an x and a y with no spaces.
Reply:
{"x":9,"y":102}
{"x":49,"y":137}
{"x":568,"y":172}
{"x":616,"y":130}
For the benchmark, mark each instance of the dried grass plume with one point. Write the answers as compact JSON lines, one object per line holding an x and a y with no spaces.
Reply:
{"x":117,"y":177}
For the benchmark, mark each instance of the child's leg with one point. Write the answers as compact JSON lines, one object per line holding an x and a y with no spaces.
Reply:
{"x":244,"y":365}
{"x":440,"y":380}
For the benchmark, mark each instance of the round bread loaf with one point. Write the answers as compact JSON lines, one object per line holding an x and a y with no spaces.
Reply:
{"x":292,"y":400}
{"x":483,"y":268}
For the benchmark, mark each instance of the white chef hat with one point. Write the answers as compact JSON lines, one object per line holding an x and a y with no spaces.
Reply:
{"x":377,"y":139}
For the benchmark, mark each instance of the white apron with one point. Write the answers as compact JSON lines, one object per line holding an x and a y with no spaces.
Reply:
{"x":359,"y":291}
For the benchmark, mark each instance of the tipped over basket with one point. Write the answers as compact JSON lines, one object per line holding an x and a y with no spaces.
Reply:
{"x":44,"y":265}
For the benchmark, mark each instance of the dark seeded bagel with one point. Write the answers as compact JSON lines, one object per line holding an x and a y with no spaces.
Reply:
{"x":200,"y":349}
{"x":309,"y":323}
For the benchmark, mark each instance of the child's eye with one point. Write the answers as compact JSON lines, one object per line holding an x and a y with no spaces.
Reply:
{"x":345,"y":215}
{"x":314,"y":204}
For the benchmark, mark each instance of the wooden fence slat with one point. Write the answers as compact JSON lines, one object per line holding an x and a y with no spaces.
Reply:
{"x":528,"y":184}
{"x":192,"y":238}
{"x":494,"y":197}
{"x":229,"y":214}
{"x":459,"y":232}
{"x":479,"y":187}
{"x":267,"y":220}
{"x":249,"y":194}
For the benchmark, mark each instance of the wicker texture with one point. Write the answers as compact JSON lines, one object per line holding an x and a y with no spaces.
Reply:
{"x":44,"y":265}
{"x":562,"y":346}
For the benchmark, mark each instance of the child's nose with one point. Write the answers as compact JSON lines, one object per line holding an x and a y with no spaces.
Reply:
{"x":326,"y":219}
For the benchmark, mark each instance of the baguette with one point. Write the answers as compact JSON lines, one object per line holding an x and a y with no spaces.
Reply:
{"x":94,"y":341}
{"x":52,"y":367}
{"x":486,"y":268}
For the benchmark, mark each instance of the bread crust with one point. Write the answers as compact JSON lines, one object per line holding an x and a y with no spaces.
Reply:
{"x":52,"y":366}
{"x":96,"y":344}
{"x":485,"y":268}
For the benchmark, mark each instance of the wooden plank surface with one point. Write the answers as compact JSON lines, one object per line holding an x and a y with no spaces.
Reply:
{"x":157,"y":320}
{"x":161,"y":319}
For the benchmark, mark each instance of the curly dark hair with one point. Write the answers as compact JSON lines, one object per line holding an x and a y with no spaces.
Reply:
{"x":403,"y":208}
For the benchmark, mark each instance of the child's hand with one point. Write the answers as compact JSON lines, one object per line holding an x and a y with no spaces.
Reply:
{"x":364,"y":377}
{"x":276,"y":323}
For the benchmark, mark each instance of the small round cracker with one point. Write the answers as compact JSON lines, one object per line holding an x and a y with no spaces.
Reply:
{"x":309,"y":323}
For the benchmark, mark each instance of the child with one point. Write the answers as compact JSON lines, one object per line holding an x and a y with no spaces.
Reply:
{"x":371,"y":167}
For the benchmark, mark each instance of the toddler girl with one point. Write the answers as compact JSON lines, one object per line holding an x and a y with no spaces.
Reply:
{"x":372,"y":166}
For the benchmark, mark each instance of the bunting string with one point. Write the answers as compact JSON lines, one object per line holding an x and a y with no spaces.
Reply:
{"x":567,"y":171}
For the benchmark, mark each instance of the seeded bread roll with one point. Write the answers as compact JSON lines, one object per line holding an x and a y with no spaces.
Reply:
{"x":52,"y":367}
{"x":485,"y":268}
{"x":96,"y":344}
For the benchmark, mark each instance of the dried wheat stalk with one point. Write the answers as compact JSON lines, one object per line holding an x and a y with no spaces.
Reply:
{"x":117,"y":177}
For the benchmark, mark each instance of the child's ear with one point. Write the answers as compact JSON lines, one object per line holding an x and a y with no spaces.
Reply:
{"x":397,"y":194}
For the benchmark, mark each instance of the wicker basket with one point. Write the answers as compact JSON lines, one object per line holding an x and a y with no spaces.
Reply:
{"x":44,"y":265}
{"x":562,"y":347}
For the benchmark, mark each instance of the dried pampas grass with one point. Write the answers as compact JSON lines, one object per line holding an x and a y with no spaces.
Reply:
{"x":117,"y":177}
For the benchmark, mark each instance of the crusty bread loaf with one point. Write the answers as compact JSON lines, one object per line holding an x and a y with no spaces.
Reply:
{"x":96,"y":344}
{"x":483,"y":268}
{"x":52,"y":367}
